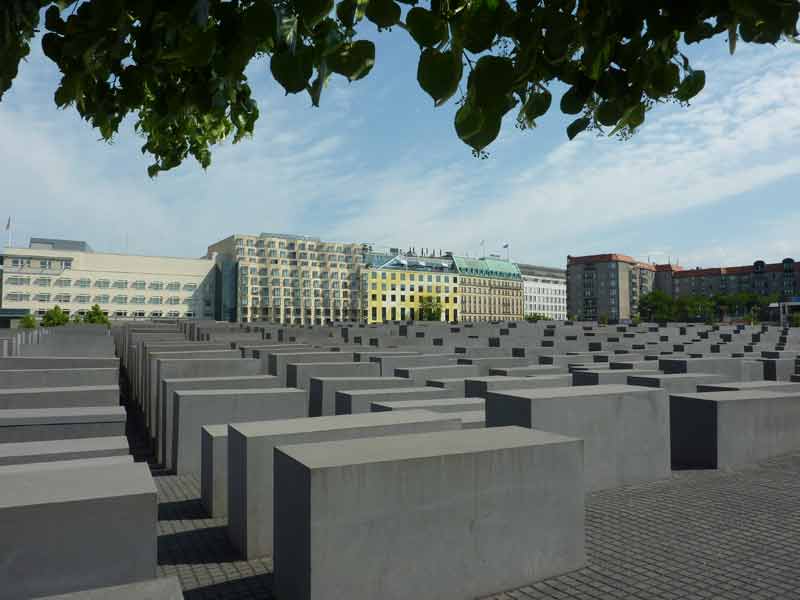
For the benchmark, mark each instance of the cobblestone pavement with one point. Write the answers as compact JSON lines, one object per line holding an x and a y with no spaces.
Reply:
{"x":709,"y":534}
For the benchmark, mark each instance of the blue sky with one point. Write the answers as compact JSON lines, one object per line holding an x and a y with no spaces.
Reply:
{"x":714,"y":184}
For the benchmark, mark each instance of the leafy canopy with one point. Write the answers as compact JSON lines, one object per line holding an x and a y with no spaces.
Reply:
{"x":96,"y":316}
{"x":55,"y":317}
{"x":27,"y":322}
{"x":178,"y":65}
{"x":430,"y":309}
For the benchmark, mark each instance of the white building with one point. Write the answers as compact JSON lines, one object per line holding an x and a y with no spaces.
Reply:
{"x":69,"y":274}
{"x":545,"y":291}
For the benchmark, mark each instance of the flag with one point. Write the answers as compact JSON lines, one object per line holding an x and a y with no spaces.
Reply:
{"x":505,"y":245}
{"x":8,"y":225}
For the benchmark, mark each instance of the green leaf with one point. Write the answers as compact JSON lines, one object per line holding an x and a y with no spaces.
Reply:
{"x":469,"y":120}
{"x":664,"y":79}
{"x":609,"y":112}
{"x":577,"y":126}
{"x":439,"y":73}
{"x":52,"y":20}
{"x":486,"y":133}
{"x":425,"y":27}
{"x":536,"y":105}
{"x":384,"y":13}
{"x":292,"y":69}
{"x":313,"y":11}
{"x":491,"y":80}
{"x":350,"y":12}
{"x":573,"y":101}
{"x":52,"y":45}
{"x":354,"y":61}
{"x":691,"y":86}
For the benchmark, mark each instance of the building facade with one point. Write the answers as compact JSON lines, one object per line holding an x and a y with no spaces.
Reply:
{"x":544,"y":291}
{"x":396,"y":286}
{"x":607,"y":285}
{"x":491,"y":289}
{"x":288,"y":279}
{"x":765,"y":279}
{"x":69,"y":274}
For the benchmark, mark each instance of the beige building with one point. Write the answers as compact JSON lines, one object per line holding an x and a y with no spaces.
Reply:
{"x":288,"y":279}
{"x":69,"y":274}
{"x":491,"y":289}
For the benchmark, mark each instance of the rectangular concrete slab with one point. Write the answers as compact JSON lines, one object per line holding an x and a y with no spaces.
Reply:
{"x":76,"y":528}
{"x":675,"y":383}
{"x":299,"y":375}
{"x":322,"y":390}
{"x":251,"y":445}
{"x":163,"y":588}
{"x":478,"y":387}
{"x":31,"y":425}
{"x":195,"y":409}
{"x":443,"y":405}
{"x":625,"y":428}
{"x":57,"y":450}
{"x":59,"y":397}
{"x":214,"y":469}
{"x":467,"y":512}
{"x":38,"y":378}
{"x":359,"y":401}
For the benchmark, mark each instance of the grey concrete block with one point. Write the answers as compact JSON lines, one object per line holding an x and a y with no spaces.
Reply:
{"x":471,"y":419}
{"x":76,"y":528}
{"x":163,"y":588}
{"x":733,"y":386}
{"x":443,"y":405}
{"x":467,"y":512}
{"x":251,"y":445}
{"x":32,"y":425}
{"x":605,"y":376}
{"x":40,"y":378}
{"x":57,"y":362}
{"x":74,"y":463}
{"x":675,"y":383}
{"x":56,"y":450}
{"x":625,"y":428}
{"x":731,"y":429}
{"x":478,"y":387}
{"x":170,"y":386}
{"x":359,"y":401}
{"x":299,"y":375}
{"x":59,"y":397}
{"x":195,"y":409}
{"x":322,"y":390}
{"x":419,"y":375}
{"x":214,"y":470}
{"x":528,"y":371}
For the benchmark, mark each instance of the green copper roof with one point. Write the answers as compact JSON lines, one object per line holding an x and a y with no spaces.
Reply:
{"x":487,"y":267}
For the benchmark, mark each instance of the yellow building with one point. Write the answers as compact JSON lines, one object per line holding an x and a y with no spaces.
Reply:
{"x":394,"y":287}
{"x":491,"y":289}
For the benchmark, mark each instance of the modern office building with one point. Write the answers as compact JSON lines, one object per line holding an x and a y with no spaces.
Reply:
{"x":287,"y":279}
{"x":395,"y":286}
{"x":71,"y":275}
{"x":607,"y":285}
{"x":490,"y":289}
{"x":544,"y":291}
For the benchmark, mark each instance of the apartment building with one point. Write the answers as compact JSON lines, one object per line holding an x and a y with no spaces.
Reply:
{"x":607,"y":285}
{"x":491,"y":289}
{"x":287,"y":279}
{"x":765,"y":279}
{"x":70,"y":274}
{"x":544,"y":291}
{"x":395,"y":286}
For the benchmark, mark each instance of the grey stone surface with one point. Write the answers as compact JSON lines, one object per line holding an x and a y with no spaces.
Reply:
{"x":467,"y":513}
{"x":481,"y":385}
{"x":57,"y":450}
{"x":605,"y":376}
{"x":214,"y":469}
{"x":78,"y":528}
{"x":250,"y":464}
{"x":163,"y":588}
{"x":170,"y":386}
{"x":39,"y":378}
{"x":299,"y":375}
{"x":57,"y":362}
{"x":625,"y":428}
{"x":59,"y":397}
{"x":420,"y":375}
{"x":728,"y":429}
{"x":195,"y":409}
{"x":443,"y":405}
{"x":62,"y":465}
{"x":359,"y":401}
{"x":31,"y":425}
{"x":322,"y":390}
{"x":676,"y":383}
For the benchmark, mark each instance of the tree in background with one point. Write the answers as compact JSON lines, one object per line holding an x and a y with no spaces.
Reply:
{"x":430,"y":309}
{"x":660,"y":307}
{"x":178,"y":68}
{"x":27,"y":322}
{"x":96,"y":316}
{"x":602,"y":320}
{"x":534,"y":317}
{"x":55,"y":317}
{"x":656,"y":306}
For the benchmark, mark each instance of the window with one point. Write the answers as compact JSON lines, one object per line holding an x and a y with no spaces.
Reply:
{"x":120,"y":300}
{"x":138,"y":300}
{"x":18,"y":281}
{"x":15,"y":297}
{"x":101,"y":299}
{"x":173,"y":300}
{"x":138,"y":285}
{"x":61,"y":298}
{"x":155,"y":300}
{"x":121,"y":284}
{"x":102,"y":283}
{"x":83,"y":283}
{"x":174,"y":285}
{"x":156,"y":313}
{"x":42,"y":281}
{"x":120,"y":313}
{"x":138,"y":313}
{"x":82,"y":299}
{"x":63,"y":283}
{"x":156,"y":285}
